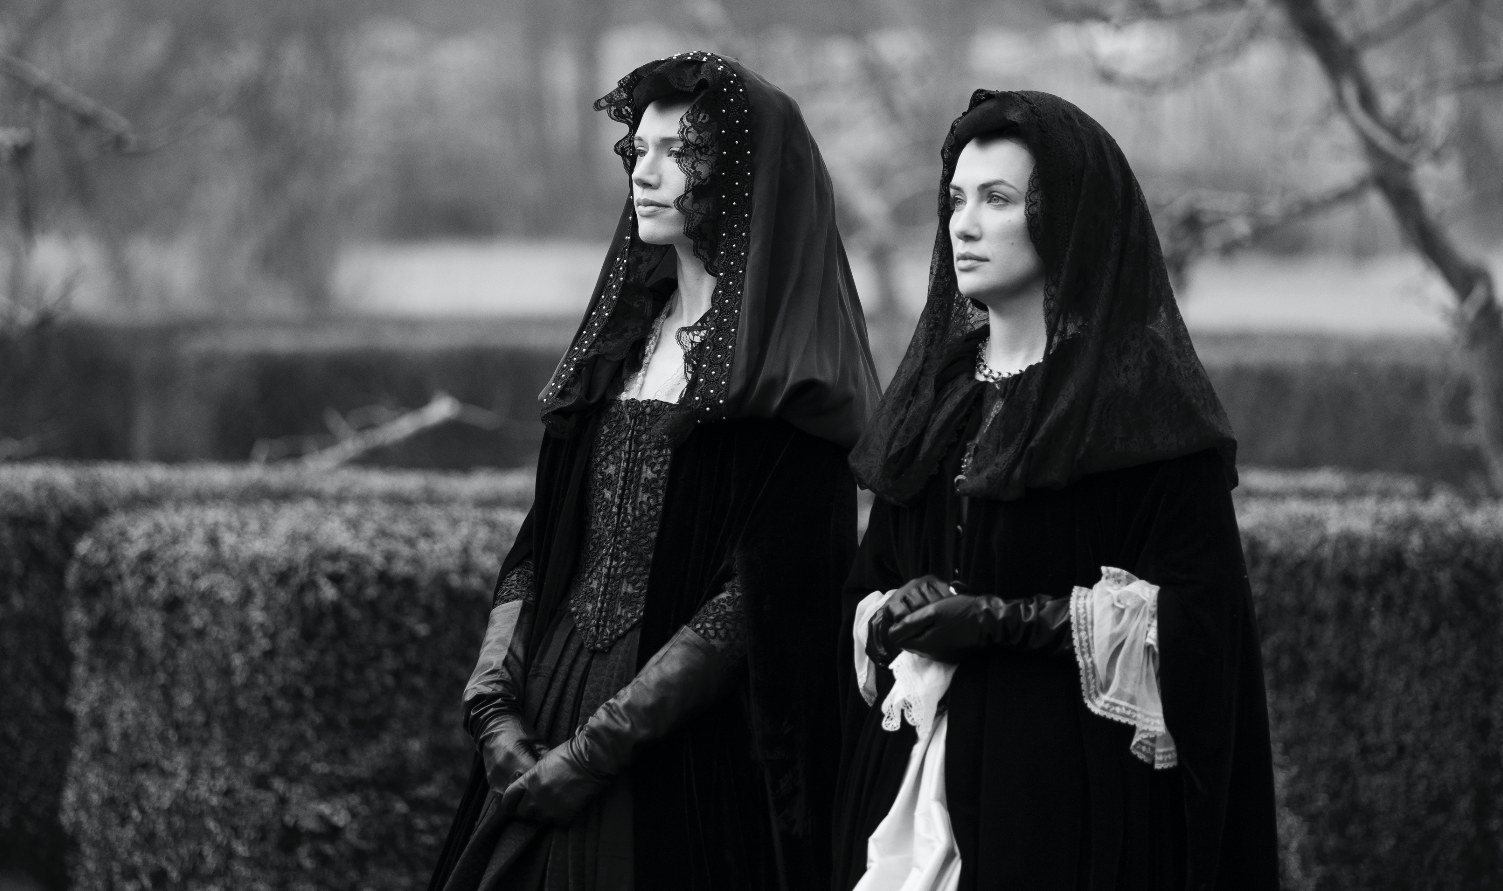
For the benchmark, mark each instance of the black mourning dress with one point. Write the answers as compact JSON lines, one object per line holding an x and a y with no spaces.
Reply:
{"x":1043,"y":793}
{"x":730,"y":512}
{"x":1112,"y":451}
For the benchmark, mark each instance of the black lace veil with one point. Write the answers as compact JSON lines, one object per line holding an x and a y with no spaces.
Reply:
{"x":784,"y":336}
{"x":1119,"y":385}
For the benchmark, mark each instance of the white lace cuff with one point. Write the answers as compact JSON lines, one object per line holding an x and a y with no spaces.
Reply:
{"x":919,"y":683}
{"x":1116,"y":629}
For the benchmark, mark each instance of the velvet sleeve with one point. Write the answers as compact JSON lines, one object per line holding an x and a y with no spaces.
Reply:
{"x":1188,"y":545}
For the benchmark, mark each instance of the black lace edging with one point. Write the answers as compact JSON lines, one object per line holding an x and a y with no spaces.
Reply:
{"x":717,"y":162}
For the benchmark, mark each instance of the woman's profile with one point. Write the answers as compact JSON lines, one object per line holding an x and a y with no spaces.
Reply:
{"x":1053,"y":668}
{"x":653,"y":705}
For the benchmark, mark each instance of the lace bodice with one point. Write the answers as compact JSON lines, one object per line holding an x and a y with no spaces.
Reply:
{"x":627,"y":480}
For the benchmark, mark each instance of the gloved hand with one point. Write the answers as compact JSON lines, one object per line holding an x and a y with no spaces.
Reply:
{"x":920,"y":592}
{"x":508,"y":747}
{"x":493,"y":696}
{"x":962,"y":624}
{"x":687,"y":674}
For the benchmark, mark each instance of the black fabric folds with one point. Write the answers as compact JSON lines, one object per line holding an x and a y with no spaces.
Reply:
{"x":758,"y":489}
{"x":784,"y":336}
{"x":742,"y":797}
{"x":1042,"y":793}
{"x":1120,"y":384}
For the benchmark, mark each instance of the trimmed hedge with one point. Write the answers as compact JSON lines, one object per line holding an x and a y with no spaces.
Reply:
{"x":267,"y":695}
{"x":1381,"y":623}
{"x":265,"y":689}
{"x":1327,"y":483}
{"x":44,"y":510}
{"x":191,"y":391}
{"x":205,"y":392}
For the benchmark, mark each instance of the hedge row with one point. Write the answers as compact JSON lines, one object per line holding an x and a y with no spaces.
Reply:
{"x":1331,"y":483}
{"x":44,"y":511}
{"x":267,"y":695}
{"x":259,"y":686}
{"x":1381,"y":622}
{"x":186,"y":392}
{"x":204,"y":392}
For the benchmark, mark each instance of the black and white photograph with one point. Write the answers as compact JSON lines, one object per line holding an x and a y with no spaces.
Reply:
{"x":751,"y":445}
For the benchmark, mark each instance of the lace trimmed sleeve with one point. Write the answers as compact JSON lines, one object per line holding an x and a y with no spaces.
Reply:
{"x":720,"y":620}
{"x":517,"y":585}
{"x":1116,"y":634}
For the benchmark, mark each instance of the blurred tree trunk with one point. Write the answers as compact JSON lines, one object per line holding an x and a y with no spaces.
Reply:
{"x":1388,"y":120}
{"x":1478,"y":316}
{"x":531,"y":201}
{"x":587,"y":25}
{"x":1479,"y":129}
{"x":292,"y":114}
{"x":81,"y":185}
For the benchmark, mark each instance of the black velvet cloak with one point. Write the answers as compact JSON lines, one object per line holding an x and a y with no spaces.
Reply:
{"x":1044,"y":794}
{"x":1112,"y":451}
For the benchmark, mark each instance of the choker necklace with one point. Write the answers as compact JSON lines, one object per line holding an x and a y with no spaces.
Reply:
{"x":985,"y":372}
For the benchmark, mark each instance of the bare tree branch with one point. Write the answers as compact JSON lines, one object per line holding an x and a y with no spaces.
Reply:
{"x":365,"y":430}
{"x":1200,"y":223}
{"x":1456,"y":81}
{"x":1478,"y":315}
{"x":1248,"y":27}
{"x":88,"y":112}
{"x":1399,"y":23}
{"x":1121,"y":11}
{"x":1375,"y":135}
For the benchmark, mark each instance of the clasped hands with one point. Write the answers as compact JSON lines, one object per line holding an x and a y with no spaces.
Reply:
{"x":926,"y":616}
{"x":554,"y":787}
{"x":536,"y":783}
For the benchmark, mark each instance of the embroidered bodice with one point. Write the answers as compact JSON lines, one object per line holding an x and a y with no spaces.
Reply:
{"x":628,"y":476}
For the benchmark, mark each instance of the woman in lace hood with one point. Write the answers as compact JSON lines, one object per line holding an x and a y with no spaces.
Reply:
{"x":1057,"y":681}
{"x":652,"y":705}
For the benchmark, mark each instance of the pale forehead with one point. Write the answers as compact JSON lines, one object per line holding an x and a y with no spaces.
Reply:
{"x":984,"y":160}
{"x":661,"y":118}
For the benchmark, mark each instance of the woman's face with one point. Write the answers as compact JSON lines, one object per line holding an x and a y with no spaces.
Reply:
{"x":994,"y":258}
{"x":656,"y":179}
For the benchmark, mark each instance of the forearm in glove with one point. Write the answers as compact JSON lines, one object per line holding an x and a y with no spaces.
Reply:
{"x":959,"y":625}
{"x":493,"y":697}
{"x":687,"y":674}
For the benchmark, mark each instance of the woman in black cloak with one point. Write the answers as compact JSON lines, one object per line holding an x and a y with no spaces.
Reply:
{"x":650,"y":704}
{"x":1054,"y":645}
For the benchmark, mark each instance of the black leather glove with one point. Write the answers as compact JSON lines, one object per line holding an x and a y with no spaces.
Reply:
{"x":920,"y":592}
{"x":961,"y":624}
{"x":687,"y":674}
{"x":493,"y":697}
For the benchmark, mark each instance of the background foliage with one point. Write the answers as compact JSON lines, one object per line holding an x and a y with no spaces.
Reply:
{"x":44,"y":511}
{"x":256,"y":662}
